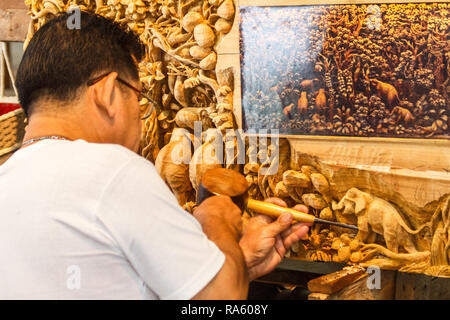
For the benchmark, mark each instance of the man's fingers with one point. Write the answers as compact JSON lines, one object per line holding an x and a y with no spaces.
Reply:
{"x":294,"y":228}
{"x":295,"y":236}
{"x":280,"y":247}
{"x":278,"y":226}
{"x":282,"y":223}
{"x":301,"y":208}
{"x":277,"y":201}
{"x":267,"y":219}
{"x":263,"y":217}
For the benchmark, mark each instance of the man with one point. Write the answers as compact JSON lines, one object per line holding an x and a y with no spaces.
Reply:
{"x":85,"y":217}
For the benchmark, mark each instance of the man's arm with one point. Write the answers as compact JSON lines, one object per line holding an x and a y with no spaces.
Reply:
{"x":221,"y":221}
{"x":166,"y":245}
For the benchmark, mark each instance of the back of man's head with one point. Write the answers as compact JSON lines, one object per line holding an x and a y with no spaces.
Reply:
{"x":60,"y":59}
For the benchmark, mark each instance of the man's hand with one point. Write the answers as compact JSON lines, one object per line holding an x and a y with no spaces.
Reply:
{"x":219,"y":210}
{"x":265,"y":242}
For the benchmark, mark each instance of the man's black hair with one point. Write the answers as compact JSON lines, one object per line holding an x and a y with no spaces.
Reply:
{"x":59,"y":60}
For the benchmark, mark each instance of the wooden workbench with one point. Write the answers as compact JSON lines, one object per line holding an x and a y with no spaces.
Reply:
{"x":394,"y":285}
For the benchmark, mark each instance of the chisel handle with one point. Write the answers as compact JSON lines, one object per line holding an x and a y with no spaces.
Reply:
{"x":273,"y":210}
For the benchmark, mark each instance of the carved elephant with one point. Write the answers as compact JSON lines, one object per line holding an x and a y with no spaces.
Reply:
{"x":377,"y":216}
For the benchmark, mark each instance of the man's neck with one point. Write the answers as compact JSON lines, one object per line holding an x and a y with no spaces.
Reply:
{"x":44,"y":125}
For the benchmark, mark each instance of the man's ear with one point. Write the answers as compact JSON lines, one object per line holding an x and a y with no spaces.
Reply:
{"x":104,"y":94}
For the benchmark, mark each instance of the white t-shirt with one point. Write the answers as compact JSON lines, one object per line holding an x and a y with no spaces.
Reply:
{"x":95,"y":221}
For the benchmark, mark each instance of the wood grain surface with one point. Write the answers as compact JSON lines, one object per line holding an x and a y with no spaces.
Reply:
{"x":14,"y":20}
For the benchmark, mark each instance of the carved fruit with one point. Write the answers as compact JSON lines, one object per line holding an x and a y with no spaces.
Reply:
{"x":308,"y":170}
{"x":222,"y":26}
{"x":336,"y":245}
{"x":209,"y":63}
{"x":280,"y":190}
{"x":354,"y":244}
{"x":294,"y":179}
{"x":251,"y":168}
{"x":345,"y":239}
{"x":326,"y":214}
{"x":176,"y":38}
{"x":186,"y":117}
{"x":320,"y":183}
{"x":199,"y":53}
{"x":314,"y":200}
{"x":344,"y":254}
{"x":226,"y":10}
{"x":204,"y":36}
{"x":191,"y":20}
{"x":355,"y":257}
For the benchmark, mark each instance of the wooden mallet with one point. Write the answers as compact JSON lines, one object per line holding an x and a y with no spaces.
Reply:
{"x":227,"y":182}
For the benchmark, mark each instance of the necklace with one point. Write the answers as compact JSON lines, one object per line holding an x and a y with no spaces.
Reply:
{"x":43,"y":138}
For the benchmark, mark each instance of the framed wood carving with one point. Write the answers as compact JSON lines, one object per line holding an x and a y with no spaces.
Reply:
{"x":346,"y":70}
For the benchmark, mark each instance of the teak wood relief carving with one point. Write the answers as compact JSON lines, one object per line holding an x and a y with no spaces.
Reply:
{"x":344,"y":80}
{"x":351,"y":70}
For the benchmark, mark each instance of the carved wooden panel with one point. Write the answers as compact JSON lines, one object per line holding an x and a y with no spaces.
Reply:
{"x":413,"y":175}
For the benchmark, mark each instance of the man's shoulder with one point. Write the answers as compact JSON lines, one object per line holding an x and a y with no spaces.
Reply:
{"x":111,"y":153}
{"x":99,"y":159}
